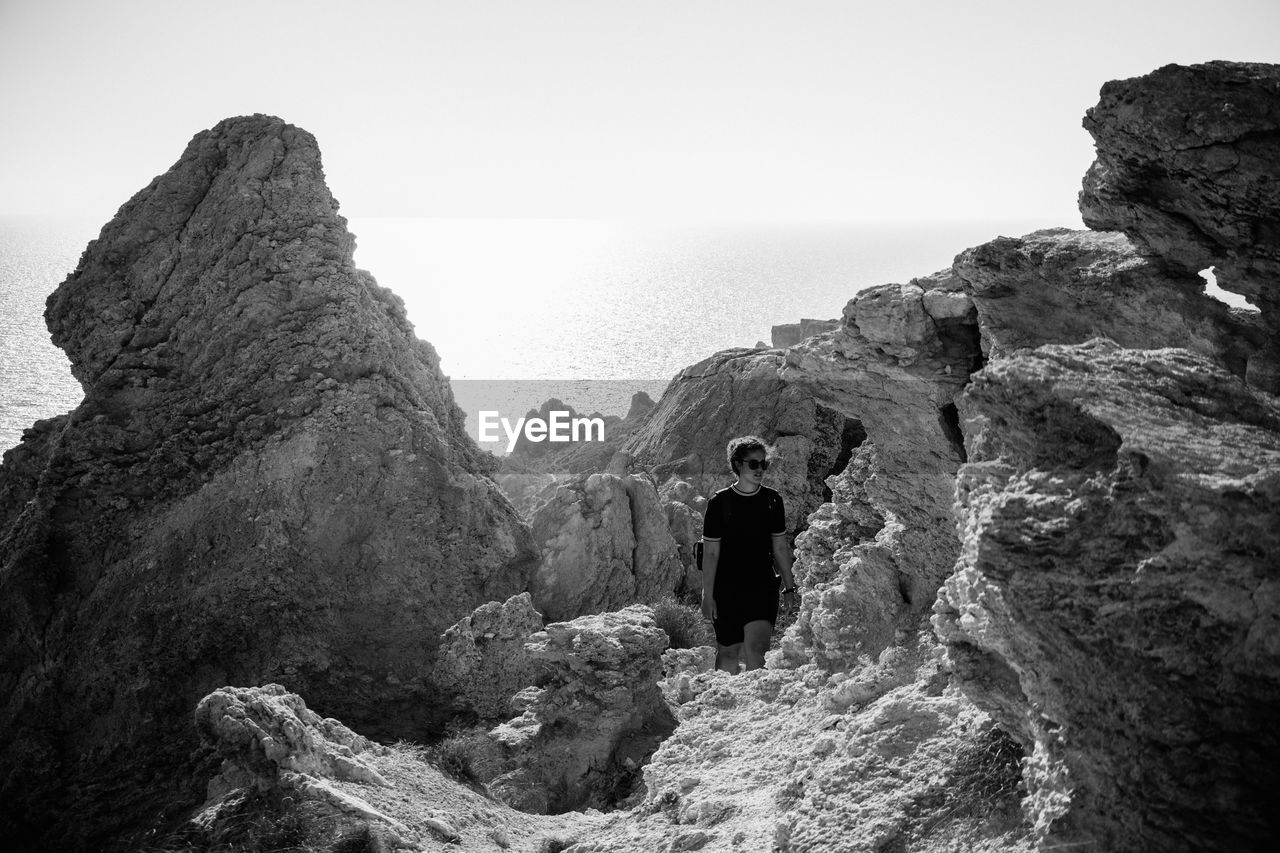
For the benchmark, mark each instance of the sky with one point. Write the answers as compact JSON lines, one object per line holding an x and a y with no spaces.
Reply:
{"x":595,"y":109}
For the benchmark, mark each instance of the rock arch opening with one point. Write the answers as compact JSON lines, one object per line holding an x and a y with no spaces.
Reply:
{"x":1235,"y":300}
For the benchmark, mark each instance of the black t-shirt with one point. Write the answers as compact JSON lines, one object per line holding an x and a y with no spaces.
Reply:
{"x":744,"y":525}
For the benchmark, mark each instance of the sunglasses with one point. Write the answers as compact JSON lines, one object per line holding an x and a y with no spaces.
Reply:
{"x":753,"y":464}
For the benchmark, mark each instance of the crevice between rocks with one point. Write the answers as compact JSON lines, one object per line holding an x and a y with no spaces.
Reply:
{"x":851,"y":437}
{"x":949,"y":419}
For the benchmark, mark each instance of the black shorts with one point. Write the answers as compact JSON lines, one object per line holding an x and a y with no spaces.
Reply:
{"x":748,"y":603}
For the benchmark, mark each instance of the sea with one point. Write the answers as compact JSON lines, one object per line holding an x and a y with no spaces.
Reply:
{"x":521,"y":310}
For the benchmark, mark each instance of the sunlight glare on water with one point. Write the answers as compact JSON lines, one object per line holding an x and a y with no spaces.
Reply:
{"x":574,"y":301}
{"x":35,"y":377}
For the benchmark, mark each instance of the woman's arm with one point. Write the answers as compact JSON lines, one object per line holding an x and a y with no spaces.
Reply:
{"x":710,"y":559}
{"x":783,"y":558}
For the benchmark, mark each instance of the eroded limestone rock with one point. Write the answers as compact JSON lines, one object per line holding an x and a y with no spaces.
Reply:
{"x":606,"y":543}
{"x":267,"y":481}
{"x":483,"y":660}
{"x":1187,"y":164}
{"x":264,"y":732}
{"x":1117,"y":601}
{"x":272,"y":745}
{"x":593,"y":716}
{"x":851,"y":601}
{"x":1062,"y":286}
{"x":768,"y":761}
{"x":896,"y":366}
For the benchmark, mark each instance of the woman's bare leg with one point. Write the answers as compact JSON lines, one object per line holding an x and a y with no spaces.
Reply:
{"x":727,"y":657}
{"x":756,"y":642}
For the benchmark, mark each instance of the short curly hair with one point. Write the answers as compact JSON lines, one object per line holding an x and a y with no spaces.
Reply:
{"x":742,"y":445}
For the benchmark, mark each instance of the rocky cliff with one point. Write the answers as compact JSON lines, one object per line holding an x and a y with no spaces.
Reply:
{"x":1186,"y":162}
{"x":1065,"y":286}
{"x":1115,"y":603}
{"x":896,"y":365}
{"x":1187,"y":159}
{"x":268,"y":480}
{"x":1071,"y":468}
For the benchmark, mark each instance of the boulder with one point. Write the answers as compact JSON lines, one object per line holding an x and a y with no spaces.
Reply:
{"x":592,"y":719}
{"x":267,"y":481}
{"x":273,"y":747}
{"x":685,"y":526}
{"x":1117,"y":601}
{"x":482,"y":658}
{"x":606,"y":543}
{"x":292,"y":780}
{"x":265,"y":734}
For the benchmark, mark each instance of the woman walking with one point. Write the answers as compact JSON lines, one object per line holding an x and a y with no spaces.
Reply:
{"x":744,"y":536}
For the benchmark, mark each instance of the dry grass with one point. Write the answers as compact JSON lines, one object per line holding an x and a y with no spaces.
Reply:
{"x":986,"y":780}
{"x":991,"y":769}
{"x":684,"y":624}
{"x":467,"y":755}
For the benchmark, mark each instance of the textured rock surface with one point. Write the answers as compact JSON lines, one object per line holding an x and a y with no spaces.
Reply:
{"x":271,"y":743}
{"x":740,"y":392}
{"x":1121,"y":521}
{"x":482,"y":659}
{"x":1064,"y":287}
{"x":896,"y":366}
{"x":267,"y":481}
{"x":685,"y":526}
{"x":1187,"y":165}
{"x":904,"y":354}
{"x":606,"y":543}
{"x":777,"y":761}
{"x":292,"y":780}
{"x":888,"y":759}
{"x":264,"y":734}
{"x":1115,"y":604}
{"x":851,"y":602}
{"x":789,"y":334}
{"x":594,"y":714}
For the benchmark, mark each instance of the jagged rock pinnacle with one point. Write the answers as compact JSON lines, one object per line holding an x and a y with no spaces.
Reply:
{"x":268,"y":480}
